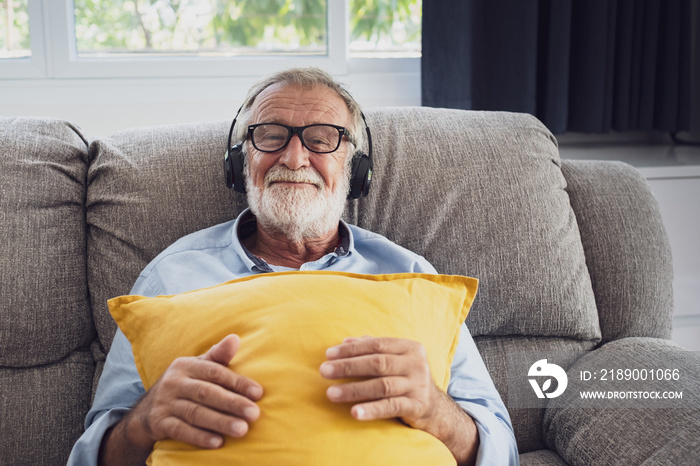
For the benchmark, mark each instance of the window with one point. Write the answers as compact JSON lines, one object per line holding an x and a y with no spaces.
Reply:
{"x":191,"y":38}
{"x":203,"y":27}
{"x":14,"y":29}
{"x":385,"y":28}
{"x":21,"y":41}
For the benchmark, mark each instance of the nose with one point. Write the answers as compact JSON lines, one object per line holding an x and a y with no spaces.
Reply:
{"x":295,"y":155}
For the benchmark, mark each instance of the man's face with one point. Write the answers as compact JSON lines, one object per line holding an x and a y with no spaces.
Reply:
{"x":296,"y":191}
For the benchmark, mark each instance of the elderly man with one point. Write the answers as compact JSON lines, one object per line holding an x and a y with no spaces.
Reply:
{"x":298,"y":132}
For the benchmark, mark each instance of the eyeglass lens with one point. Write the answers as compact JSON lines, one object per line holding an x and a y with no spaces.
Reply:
{"x":272,"y":137}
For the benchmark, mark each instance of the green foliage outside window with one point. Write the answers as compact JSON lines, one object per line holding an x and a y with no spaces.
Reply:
{"x":377,"y":18}
{"x":14,"y":29}
{"x":237,"y":26}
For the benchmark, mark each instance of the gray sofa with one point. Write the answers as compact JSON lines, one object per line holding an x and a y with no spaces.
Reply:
{"x":572,"y":257}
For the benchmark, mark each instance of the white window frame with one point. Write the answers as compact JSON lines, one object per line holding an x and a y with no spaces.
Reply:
{"x":54,"y":52}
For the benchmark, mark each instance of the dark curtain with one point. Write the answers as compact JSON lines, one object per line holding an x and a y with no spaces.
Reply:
{"x":578,"y":65}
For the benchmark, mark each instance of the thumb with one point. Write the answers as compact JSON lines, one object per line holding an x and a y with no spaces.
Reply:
{"x":224,"y":351}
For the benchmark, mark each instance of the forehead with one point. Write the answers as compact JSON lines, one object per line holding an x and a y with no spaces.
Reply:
{"x":297,"y":105}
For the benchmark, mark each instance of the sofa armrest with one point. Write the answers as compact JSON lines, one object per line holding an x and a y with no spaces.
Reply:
{"x":597,"y":431}
{"x":627,"y":251}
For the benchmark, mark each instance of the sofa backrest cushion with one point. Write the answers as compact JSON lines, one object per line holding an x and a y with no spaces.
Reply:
{"x":43,"y":164}
{"x":46,"y":330}
{"x":482,"y":194}
{"x":147,"y":188}
{"x":477,"y":193}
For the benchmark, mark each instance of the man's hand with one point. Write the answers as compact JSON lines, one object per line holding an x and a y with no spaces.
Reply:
{"x":398,"y":384}
{"x":197,"y":400}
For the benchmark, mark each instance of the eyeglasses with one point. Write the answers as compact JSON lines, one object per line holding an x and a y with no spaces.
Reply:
{"x":318,"y":138}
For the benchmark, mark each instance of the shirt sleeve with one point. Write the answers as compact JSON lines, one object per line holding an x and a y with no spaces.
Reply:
{"x":472,"y":388}
{"x":119,"y":389}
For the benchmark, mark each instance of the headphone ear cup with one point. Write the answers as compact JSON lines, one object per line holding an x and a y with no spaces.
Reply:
{"x":228,"y":170}
{"x":361,"y":175}
{"x":233,"y":167}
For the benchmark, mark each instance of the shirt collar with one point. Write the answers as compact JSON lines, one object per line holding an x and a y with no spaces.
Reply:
{"x":246,"y":224}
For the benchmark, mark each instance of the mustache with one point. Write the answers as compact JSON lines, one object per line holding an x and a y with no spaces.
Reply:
{"x":303,"y":175}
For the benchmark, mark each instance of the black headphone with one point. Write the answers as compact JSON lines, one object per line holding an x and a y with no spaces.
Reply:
{"x":360,"y":174}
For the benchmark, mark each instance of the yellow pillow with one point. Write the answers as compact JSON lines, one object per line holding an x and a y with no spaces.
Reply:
{"x":286,"y":322}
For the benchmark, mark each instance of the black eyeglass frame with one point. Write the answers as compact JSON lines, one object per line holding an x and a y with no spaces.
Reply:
{"x":298,"y":130}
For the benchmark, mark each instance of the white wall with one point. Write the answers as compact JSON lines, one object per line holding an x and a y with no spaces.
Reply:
{"x":678,"y":194}
{"x":103,"y":106}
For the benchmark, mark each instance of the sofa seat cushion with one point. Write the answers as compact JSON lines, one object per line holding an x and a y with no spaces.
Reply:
{"x":631,"y":428}
{"x":43,"y":409}
{"x":541,"y":458}
{"x":507,"y":360}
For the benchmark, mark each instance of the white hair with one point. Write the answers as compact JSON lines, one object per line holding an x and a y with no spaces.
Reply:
{"x":307,"y":77}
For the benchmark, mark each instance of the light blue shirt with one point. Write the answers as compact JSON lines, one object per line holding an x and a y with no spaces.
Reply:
{"x":216,"y":255}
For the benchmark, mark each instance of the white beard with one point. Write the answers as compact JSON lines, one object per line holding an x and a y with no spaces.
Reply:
{"x":298,"y":212}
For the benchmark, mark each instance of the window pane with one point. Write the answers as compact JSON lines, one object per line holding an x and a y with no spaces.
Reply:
{"x":201,"y":27}
{"x":385,"y":28}
{"x":14,"y":29}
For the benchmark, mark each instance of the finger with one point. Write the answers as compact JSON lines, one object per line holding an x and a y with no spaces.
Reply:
{"x":224,"y":351}
{"x":387,"y":408}
{"x":178,"y":429}
{"x":373,"y":365}
{"x":369,"y":390}
{"x":221,"y":375}
{"x":219,"y":398}
{"x":201,"y":416}
{"x":352,"y":347}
